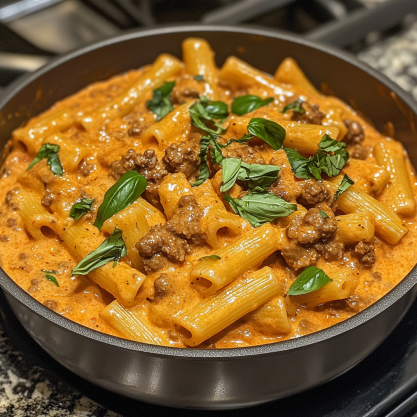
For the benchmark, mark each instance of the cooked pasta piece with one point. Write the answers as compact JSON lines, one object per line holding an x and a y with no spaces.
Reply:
{"x":152,"y":214}
{"x":173,"y":187}
{"x":121,"y":280}
{"x":165,"y":66}
{"x":215,"y":313}
{"x":131,"y":326}
{"x":32,"y":181}
{"x":355,"y":227}
{"x":334,"y":117}
{"x":245,"y":253}
{"x":215,"y":215}
{"x":199,"y":60}
{"x":174,"y":127}
{"x":391,"y":155}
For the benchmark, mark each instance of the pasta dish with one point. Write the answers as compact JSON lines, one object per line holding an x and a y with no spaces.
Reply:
{"x":187,"y":205}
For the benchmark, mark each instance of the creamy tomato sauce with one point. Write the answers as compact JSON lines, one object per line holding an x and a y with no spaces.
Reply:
{"x":78,"y":298}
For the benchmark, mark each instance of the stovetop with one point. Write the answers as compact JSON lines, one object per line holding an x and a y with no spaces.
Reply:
{"x":34,"y":385}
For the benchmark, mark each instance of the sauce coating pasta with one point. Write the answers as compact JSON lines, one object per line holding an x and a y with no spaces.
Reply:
{"x":187,"y":205}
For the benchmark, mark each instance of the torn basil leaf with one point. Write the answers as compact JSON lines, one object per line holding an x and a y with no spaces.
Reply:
{"x":111,"y":250}
{"x":215,"y":152}
{"x":199,"y":78}
{"x":204,"y":169}
{"x":52,"y":279}
{"x":270,"y":132}
{"x":208,"y":115}
{"x":344,"y":185}
{"x":82,"y":207}
{"x":120,"y":195}
{"x":246,"y":104}
{"x":296,"y":106}
{"x":210,"y":257}
{"x":323,"y":214}
{"x":260,"y":208}
{"x":49,"y":151}
{"x":258,"y":176}
{"x":299,"y":164}
{"x":230,"y":172}
{"x":161,"y":104}
{"x":311,"y":279}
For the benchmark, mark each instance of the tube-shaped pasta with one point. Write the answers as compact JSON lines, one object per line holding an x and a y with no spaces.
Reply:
{"x":302,"y":137}
{"x":164,"y":67}
{"x":238,"y":74}
{"x":217,"y":312}
{"x":217,"y":182}
{"x":32,"y":136}
{"x":388,"y":225}
{"x":130,"y":325}
{"x":285,"y":221}
{"x":334,"y":117}
{"x":173,"y":187}
{"x":122,"y":281}
{"x":391,"y":155}
{"x":369,"y":177}
{"x":32,"y":180}
{"x":199,"y":60}
{"x":152,"y":214}
{"x":271,"y":318}
{"x":70,"y":154}
{"x":355,"y":227}
{"x":133,"y":224}
{"x":289,"y":72}
{"x":245,"y":253}
{"x":174,"y":127}
{"x":215,"y":216}
{"x":38,"y":221}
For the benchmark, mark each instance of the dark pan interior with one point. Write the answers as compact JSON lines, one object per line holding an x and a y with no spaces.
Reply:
{"x":360,"y":86}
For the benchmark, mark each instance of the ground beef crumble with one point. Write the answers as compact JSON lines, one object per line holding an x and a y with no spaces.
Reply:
{"x":314,"y":192}
{"x":312,"y":114}
{"x":244,"y":152}
{"x":183,"y":157}
{"x":366,"y":253}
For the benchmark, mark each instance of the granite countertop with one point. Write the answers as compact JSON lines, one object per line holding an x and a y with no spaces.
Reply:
{"x":29,"y":390}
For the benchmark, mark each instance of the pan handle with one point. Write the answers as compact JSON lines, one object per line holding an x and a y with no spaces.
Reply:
{"x":359,"y":23}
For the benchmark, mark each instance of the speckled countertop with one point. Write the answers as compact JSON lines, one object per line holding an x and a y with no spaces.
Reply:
{"x":28,"y":390}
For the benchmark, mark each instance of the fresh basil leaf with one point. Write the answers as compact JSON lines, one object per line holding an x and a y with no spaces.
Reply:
{"x":311,"y":279}
{"x":161,"y":104}
{"x":82,"y":207}
{"x":204,"y":169}
{"x":120,"y":195}
{"x":210,"y":257}
{"x":267,"y":130}
{"x":259,"y":208}
{"x":217,"y":110}
{"x":111,"y":250}
{"x":230,"y":172}
{"x":52,"y":279}
{"x":199,"y":78}
{"x":216,"y":152}
{"x":323,"y":214}
{"x":259,"y":176}
{"x":49,"y":151}
{"x":246,"y":104}
{"x":344,"y":185}
{"x":208,"y":112}
{"x":294,"y":106}
{"x":243,"y":139}
{"x":299,"y":164}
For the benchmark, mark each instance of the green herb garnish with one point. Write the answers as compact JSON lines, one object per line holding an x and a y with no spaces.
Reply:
{"x":120,"y":195}
{"x":270,"y":132}
{"x":204,"y":169}
{"x":210,"y":257}
{"x":161,"y":104}
{"x":296,"y":106}
{"x":52,"y":279}
{"x":199,"y":78}
{"x":246,"y":104}
{"x":82,"y":207}
{"x":111,"y":250}
{"x":344,"y":185}
{"x":49,"y":151}
{"x":311,"y":279}
{"x":323,"y":214}
{"x":208,"y":115}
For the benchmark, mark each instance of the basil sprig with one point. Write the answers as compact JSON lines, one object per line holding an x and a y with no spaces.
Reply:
{"x":204,"y":169}
{"x":207,"y":114}
{"x":210,"y":257}
{"x":50,"y":277}
{"x":161,"y":104}
{"x":331,"y":157}
{"x":270,"y":132}
{"x":49,"y":151}
{"x":246,"y":104}
{"x":111,"y":250}
{"x":344,"y":185}
{"x":259,"y":208}
{"x":296,"y":106}
{"x":120,"y":195}
{"x":311,"y":279}
{"x":80,"y":208}
{"x":258,"y":176}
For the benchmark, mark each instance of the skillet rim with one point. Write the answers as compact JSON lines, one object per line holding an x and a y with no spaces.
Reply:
{"x":408,"y":282}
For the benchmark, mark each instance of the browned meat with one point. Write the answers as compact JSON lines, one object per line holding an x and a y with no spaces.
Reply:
{"x":358,"y":152}
{"x":4,"y":238}
{"x":312,"y":114}
{"x":163,"y":286}
{"x":34,"y":286}
{"x":11,"y":199}
{"x":298,"y":256}
{"x":171,"y":241}
{"x":314,"y":192}
{"x":135,"y":129}
{"x":48,"y":199}
{"x":11,"y":222}
{"x":331,"y":251}
{"x":85,"y":169}
{"x":51,"y":304}
{"x":311,"y":228}
{"x":366,"y":253}
{"x":244,"y":152}
{"x":183,"y":157}
{"x":186,"y":89}
{"x":281,"y":190}
{"x":355,"y":134}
